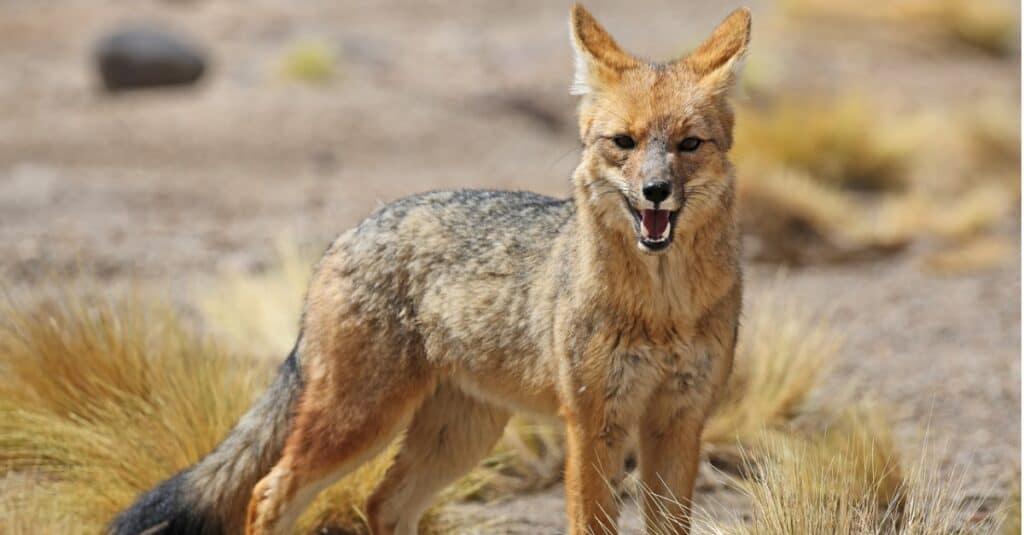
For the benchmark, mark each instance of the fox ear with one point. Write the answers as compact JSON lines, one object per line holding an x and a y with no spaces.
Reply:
{"x":717,"y":61}
{"x":599,"y":60}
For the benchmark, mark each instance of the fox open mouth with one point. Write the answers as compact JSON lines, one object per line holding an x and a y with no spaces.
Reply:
{"x":654,"y":227}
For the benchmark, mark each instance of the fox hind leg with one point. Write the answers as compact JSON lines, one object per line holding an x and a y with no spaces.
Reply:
{"x":447,"y":437}
{"x":343,"y":419}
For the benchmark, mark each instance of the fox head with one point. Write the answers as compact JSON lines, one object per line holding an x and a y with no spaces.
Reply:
{"x":656,"y":135}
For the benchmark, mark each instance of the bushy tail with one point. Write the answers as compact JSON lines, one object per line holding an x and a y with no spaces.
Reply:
{"x":210,"y":497}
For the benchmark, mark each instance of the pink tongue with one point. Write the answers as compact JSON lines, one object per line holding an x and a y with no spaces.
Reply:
{"x":655,"y":222}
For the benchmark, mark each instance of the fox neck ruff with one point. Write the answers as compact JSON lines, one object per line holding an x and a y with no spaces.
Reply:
{"x":661,"y":289}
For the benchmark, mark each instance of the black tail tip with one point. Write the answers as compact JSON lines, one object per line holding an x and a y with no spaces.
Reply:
{"x":167,"y":510}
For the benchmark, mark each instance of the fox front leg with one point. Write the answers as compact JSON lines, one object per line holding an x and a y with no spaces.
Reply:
{"x":605,"y":392}
{"x":594,"y":467}
{"x":670,"y":431}
{"x":669,"y":444}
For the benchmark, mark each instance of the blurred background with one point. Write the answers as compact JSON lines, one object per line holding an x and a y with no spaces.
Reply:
{"x":878,"y":155}
{"x":890,"y":121}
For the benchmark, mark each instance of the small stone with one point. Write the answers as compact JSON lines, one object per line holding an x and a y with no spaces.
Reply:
{"x":134,"y":57}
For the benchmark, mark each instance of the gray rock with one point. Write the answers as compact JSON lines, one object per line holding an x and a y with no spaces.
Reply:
{"x":135,"y":57}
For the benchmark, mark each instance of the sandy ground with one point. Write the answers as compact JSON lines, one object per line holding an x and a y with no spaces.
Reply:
{"x":173,"y":188}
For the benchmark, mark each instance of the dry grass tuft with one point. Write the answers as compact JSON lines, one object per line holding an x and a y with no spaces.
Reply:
{"x":788,"y":217}
{"x":975,"y":211}
{"x":27,"y":507}
{"x":312,"y":61}
{"x":846,"y":478}
{"x":993,"y":140}
{"x":801,"y":201}
{"x":815,"y":178}
{"x":973,"y":256}
{"x":983,"y":25}
{"x":896,"y":220}
{"x":258,"y":314}
{"x":838,"y":179}
{"x":101,"y":400}
{"x":839,"y":142}
{"x":993,"y":135}
{"x":782,"y":354}
{"x":1012,"y":512}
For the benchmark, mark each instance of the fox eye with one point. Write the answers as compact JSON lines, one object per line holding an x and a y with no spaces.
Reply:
{"x":690,"y":144}
{"x":624,"y":142}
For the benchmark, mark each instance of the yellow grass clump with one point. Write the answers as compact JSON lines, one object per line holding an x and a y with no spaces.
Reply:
{"x":847,"y":478}
{"x":983,"y":25}
{"x":1011,"y":511}
{"x":258,"y":313}
{"x":27,"y":506}
{"x":102,"y":399}
{"x":791,"y":218}
{"x":312,"y":61}
{"x":841,"y":143}
{"x":781,"y":357}
{"x":993,"y":136}
{"x":841,"y":189}
{"x":993,"y":140}
{"x":813,"y":179}
{"x":973,"y":256}
{"x":987,"y":26}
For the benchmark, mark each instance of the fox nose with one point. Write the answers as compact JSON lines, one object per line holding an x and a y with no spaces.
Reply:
{"x":657,"y":190}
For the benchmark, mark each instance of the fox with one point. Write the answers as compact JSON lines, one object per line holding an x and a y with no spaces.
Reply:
{"x":614,"y":311}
